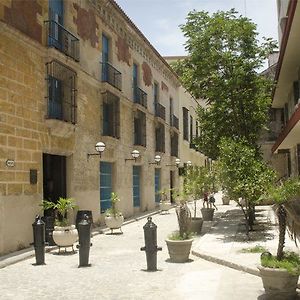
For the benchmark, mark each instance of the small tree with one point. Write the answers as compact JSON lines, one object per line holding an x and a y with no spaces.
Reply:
{"x":282,"y":194}
{"x":197,"y":181}
{"x":244,"y":175}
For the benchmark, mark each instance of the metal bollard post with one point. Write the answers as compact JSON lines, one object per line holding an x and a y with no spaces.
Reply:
{"x":150,"y":234}
{"x":84,"y":232}
{"x":39,"y":240}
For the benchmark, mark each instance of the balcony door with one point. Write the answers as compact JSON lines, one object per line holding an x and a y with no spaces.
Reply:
{"x":105,"y":57}
{"x":56,"y":14}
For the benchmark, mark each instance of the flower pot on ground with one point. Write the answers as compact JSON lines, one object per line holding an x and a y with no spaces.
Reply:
{"x":64,"y":234}
{"x":196,"y":225}
{"x":164,"y":204}
{"x":280,"y":273}
{"x":179,"y":243}
{"x":113,"y":217}
{"x":225,"y":199}
{"x":207,"y":213}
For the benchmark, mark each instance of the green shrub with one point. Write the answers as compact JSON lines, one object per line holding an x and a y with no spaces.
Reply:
{"x":290,"y":262}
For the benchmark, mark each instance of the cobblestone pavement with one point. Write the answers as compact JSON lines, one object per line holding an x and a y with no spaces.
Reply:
{"x":118,"y":272}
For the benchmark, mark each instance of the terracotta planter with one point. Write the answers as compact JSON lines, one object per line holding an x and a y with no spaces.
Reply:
{"x":225,"y":200}
{"x":196,"y":225}
{"x":179,"y":250}
{"x":207,"y":214}
{"x":114,"y":222}
{"x":279,"y":283}
{"x":65,"y":236}
{"x":165,"y":206}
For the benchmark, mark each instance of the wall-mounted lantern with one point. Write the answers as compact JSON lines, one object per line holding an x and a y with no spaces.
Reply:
{"x":177,"y":163}
{"x":135,"y":154}
{"x":189,"y":163}
{"x":157,"y":159}
{"x":99,"y":147}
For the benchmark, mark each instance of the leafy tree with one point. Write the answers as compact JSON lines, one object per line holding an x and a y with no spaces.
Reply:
{"x":243,"y":175}
{"x":223,"y":56}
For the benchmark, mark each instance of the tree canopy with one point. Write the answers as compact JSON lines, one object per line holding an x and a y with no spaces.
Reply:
{"x":221,"y":68}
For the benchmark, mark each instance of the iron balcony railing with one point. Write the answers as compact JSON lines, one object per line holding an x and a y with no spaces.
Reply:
{"x":160,"y":111}
{"x":140,"y":96}
{"x":111,"y":75}
{"x":175,"y":122}
{"x":62,"y":39}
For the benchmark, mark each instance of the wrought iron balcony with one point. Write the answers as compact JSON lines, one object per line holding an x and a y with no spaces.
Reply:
{"x":140,"y":96}
{"x":111,"y":75}
{"x":160,"y":111}
{"x":175,"y":122}
{"x":62,"y":39}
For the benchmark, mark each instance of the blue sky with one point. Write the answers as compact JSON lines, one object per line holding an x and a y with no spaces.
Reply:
{"x":159,"y":19}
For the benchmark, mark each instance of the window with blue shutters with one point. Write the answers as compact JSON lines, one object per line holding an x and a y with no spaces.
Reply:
{"x":157,"y":185}
{"x":136,"y":175}
{"x":105,"y":185}
{"x":105,"y":57}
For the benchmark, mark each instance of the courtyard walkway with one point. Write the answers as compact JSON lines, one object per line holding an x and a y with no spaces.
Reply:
{"x":118,"y":265}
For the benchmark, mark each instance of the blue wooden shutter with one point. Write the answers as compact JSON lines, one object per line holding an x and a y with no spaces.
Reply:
{"x":136,"y":175}
{"x":55,"y":105}
{"x":105,"y":185}
{"x":56,"y":14}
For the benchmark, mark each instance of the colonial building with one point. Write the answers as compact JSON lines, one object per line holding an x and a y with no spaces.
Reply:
{"x":74,"y":73}
{"x":286,"y":110}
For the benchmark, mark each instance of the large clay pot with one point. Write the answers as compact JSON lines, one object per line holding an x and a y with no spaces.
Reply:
{"x":207,"y":213}
{"x":278,"y":283}
{"x":225,"y":200}
{"x":114,"y":222}
{"x":179,"y":250}
{"x":165,"y":206}
{"x":196,"y":225}
{"x":65,"y":236}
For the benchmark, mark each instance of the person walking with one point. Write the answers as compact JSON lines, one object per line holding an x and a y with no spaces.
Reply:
{"x":211,"y":201}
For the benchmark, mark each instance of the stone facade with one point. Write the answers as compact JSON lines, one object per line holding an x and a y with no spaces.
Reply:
{"x":33,"y":135}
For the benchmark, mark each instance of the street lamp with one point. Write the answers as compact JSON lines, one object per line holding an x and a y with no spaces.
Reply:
{"x":189,"y":163}
{"x":99,"y":147}
{"x":177,"y":163}
{"x":157,"y":159}
{"x":135,"y":154}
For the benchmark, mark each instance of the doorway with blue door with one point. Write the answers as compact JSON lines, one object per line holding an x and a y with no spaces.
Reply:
{"x":157,"y":180}
{"x":136,"y":186}
{"x":106,"y":185}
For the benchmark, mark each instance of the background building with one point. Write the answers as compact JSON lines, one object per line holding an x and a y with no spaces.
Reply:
{"x":73,"y":73}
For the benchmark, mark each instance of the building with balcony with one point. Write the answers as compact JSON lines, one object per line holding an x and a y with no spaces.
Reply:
{"x":73,"y":73}
{"x":285,"y":106}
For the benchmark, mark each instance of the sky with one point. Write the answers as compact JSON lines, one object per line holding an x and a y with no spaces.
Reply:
{"x":159,"y":19}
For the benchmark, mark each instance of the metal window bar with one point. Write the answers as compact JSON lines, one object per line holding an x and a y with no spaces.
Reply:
{"x":61,"y":92}
{"x":140,"y":96}
{"x":62,"y":39}
{"x":160,"y":111}
{"x":111,"y":75}
{"x":140,"y":129}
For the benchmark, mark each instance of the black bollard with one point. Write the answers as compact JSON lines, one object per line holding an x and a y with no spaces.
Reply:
{"x":39,"y":240}
{"x":150,"y":234}
{"x":84,"y":233}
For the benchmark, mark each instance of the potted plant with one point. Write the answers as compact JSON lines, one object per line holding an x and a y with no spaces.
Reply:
{"x":194,"y":185}
{"x":64,"y":234}
{"x":164,"y":203}
{"x":225,"y":198}
{"x":179,"y":243}
{"x":280,"y":273}
{"x":113,"y":217}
